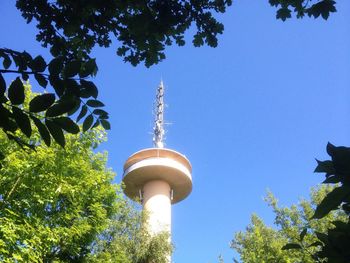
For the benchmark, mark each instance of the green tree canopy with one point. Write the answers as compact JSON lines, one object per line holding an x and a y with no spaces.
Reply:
{"x":60,"y":205}
{"x":263,"y":244}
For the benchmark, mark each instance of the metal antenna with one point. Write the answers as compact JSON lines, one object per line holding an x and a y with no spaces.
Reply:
{"x":158,"y":128}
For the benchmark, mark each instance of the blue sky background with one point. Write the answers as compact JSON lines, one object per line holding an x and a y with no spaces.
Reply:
{"x":251,"y":114}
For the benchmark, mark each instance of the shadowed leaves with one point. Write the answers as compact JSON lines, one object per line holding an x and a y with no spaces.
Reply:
{"x":41,"y":102}
{"x":16,"y":92}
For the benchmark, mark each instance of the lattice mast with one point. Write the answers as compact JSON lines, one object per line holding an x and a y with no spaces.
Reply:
{"x":158,"y":129}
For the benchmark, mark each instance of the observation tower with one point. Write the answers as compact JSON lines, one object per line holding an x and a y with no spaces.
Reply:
{"x":158,"y":177}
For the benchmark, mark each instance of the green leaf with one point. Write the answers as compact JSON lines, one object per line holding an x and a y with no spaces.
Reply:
{"x":324,"y":167}
{"x":2,"y":85}
{"x":16,"y":92}
{"x":22,"y":121}
{"x":25,"y":76}
{"x":330,"y":149}
{"x":96,"y":124}
{"x":334,"y":179}
{"x":82,"y":113}
{"x":61,"y":107}
{"x":89,"y":68}
{"x":72,"y":68}
{"x":43,"y":131}
{"x":303,"y":233}
{"x":38,"y":64}
{"x":56,"y":132}
{"x":88,"y":122}
{"x":7,"y":62}
{"x":4,"y":116}
{"x":283,"y":13}
{"x":323,"y":8}
{"x":75,"y":109}
{"x":89,"y":89}
{"x":322,"y":237}
{"x":341,"y":161}
{"x":41,"y":102}
{"x":57,"y":84}
{"x":41,"y":80}
{"x":94,"y":103}
{"x":105,"y":124}
{"x":56,"y":66}
{"x":100,"y":112}
{"x":331,"y":201}
{"x":315,"y":244}
{"x":291,"y":246}
{"x":2,"y":156}
{"x":67,"y":124}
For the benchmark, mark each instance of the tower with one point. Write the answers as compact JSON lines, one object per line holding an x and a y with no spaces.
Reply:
{"x":158,"y":176}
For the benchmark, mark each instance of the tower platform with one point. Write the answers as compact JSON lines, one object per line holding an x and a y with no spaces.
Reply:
{"x":154,"y":164}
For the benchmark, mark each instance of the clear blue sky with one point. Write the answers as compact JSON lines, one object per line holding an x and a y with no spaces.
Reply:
{"x":251,"y":114}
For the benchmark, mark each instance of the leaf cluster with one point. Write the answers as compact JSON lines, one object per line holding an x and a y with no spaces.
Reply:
{"x":143,"y":28}
{"x":301,"y":8}
{"x":334,"y":245}
{"x":60,"y":205}
{"x":52,"y":112}
{"x":262,"y":243}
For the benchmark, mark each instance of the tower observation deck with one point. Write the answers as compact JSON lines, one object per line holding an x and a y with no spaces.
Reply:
{"x":158,"y":177}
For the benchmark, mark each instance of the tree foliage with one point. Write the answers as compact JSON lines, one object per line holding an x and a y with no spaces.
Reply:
{"x":333,"y":246}
{"x":263,"y":244}
{"x":71,"y":29}
{"x":59,"y":205}
{"x":52,"y":112}
{"x":142,"y":28}
{"x":301,"y":8}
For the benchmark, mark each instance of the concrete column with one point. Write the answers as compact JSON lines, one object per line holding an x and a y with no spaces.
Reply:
{"x":156,"y":201}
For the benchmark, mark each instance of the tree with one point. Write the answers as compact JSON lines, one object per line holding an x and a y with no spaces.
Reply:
{"x":59,"y":205}
{"x":333,"y":245}
{"x":301,"y":8}
{"x":71,"y":29}
{"x":263,"y":244}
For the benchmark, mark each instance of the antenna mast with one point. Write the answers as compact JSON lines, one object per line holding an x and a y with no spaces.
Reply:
{"x":158,"y":128}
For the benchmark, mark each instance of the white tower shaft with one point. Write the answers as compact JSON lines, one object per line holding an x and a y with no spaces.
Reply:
{"x":157,"y":203}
